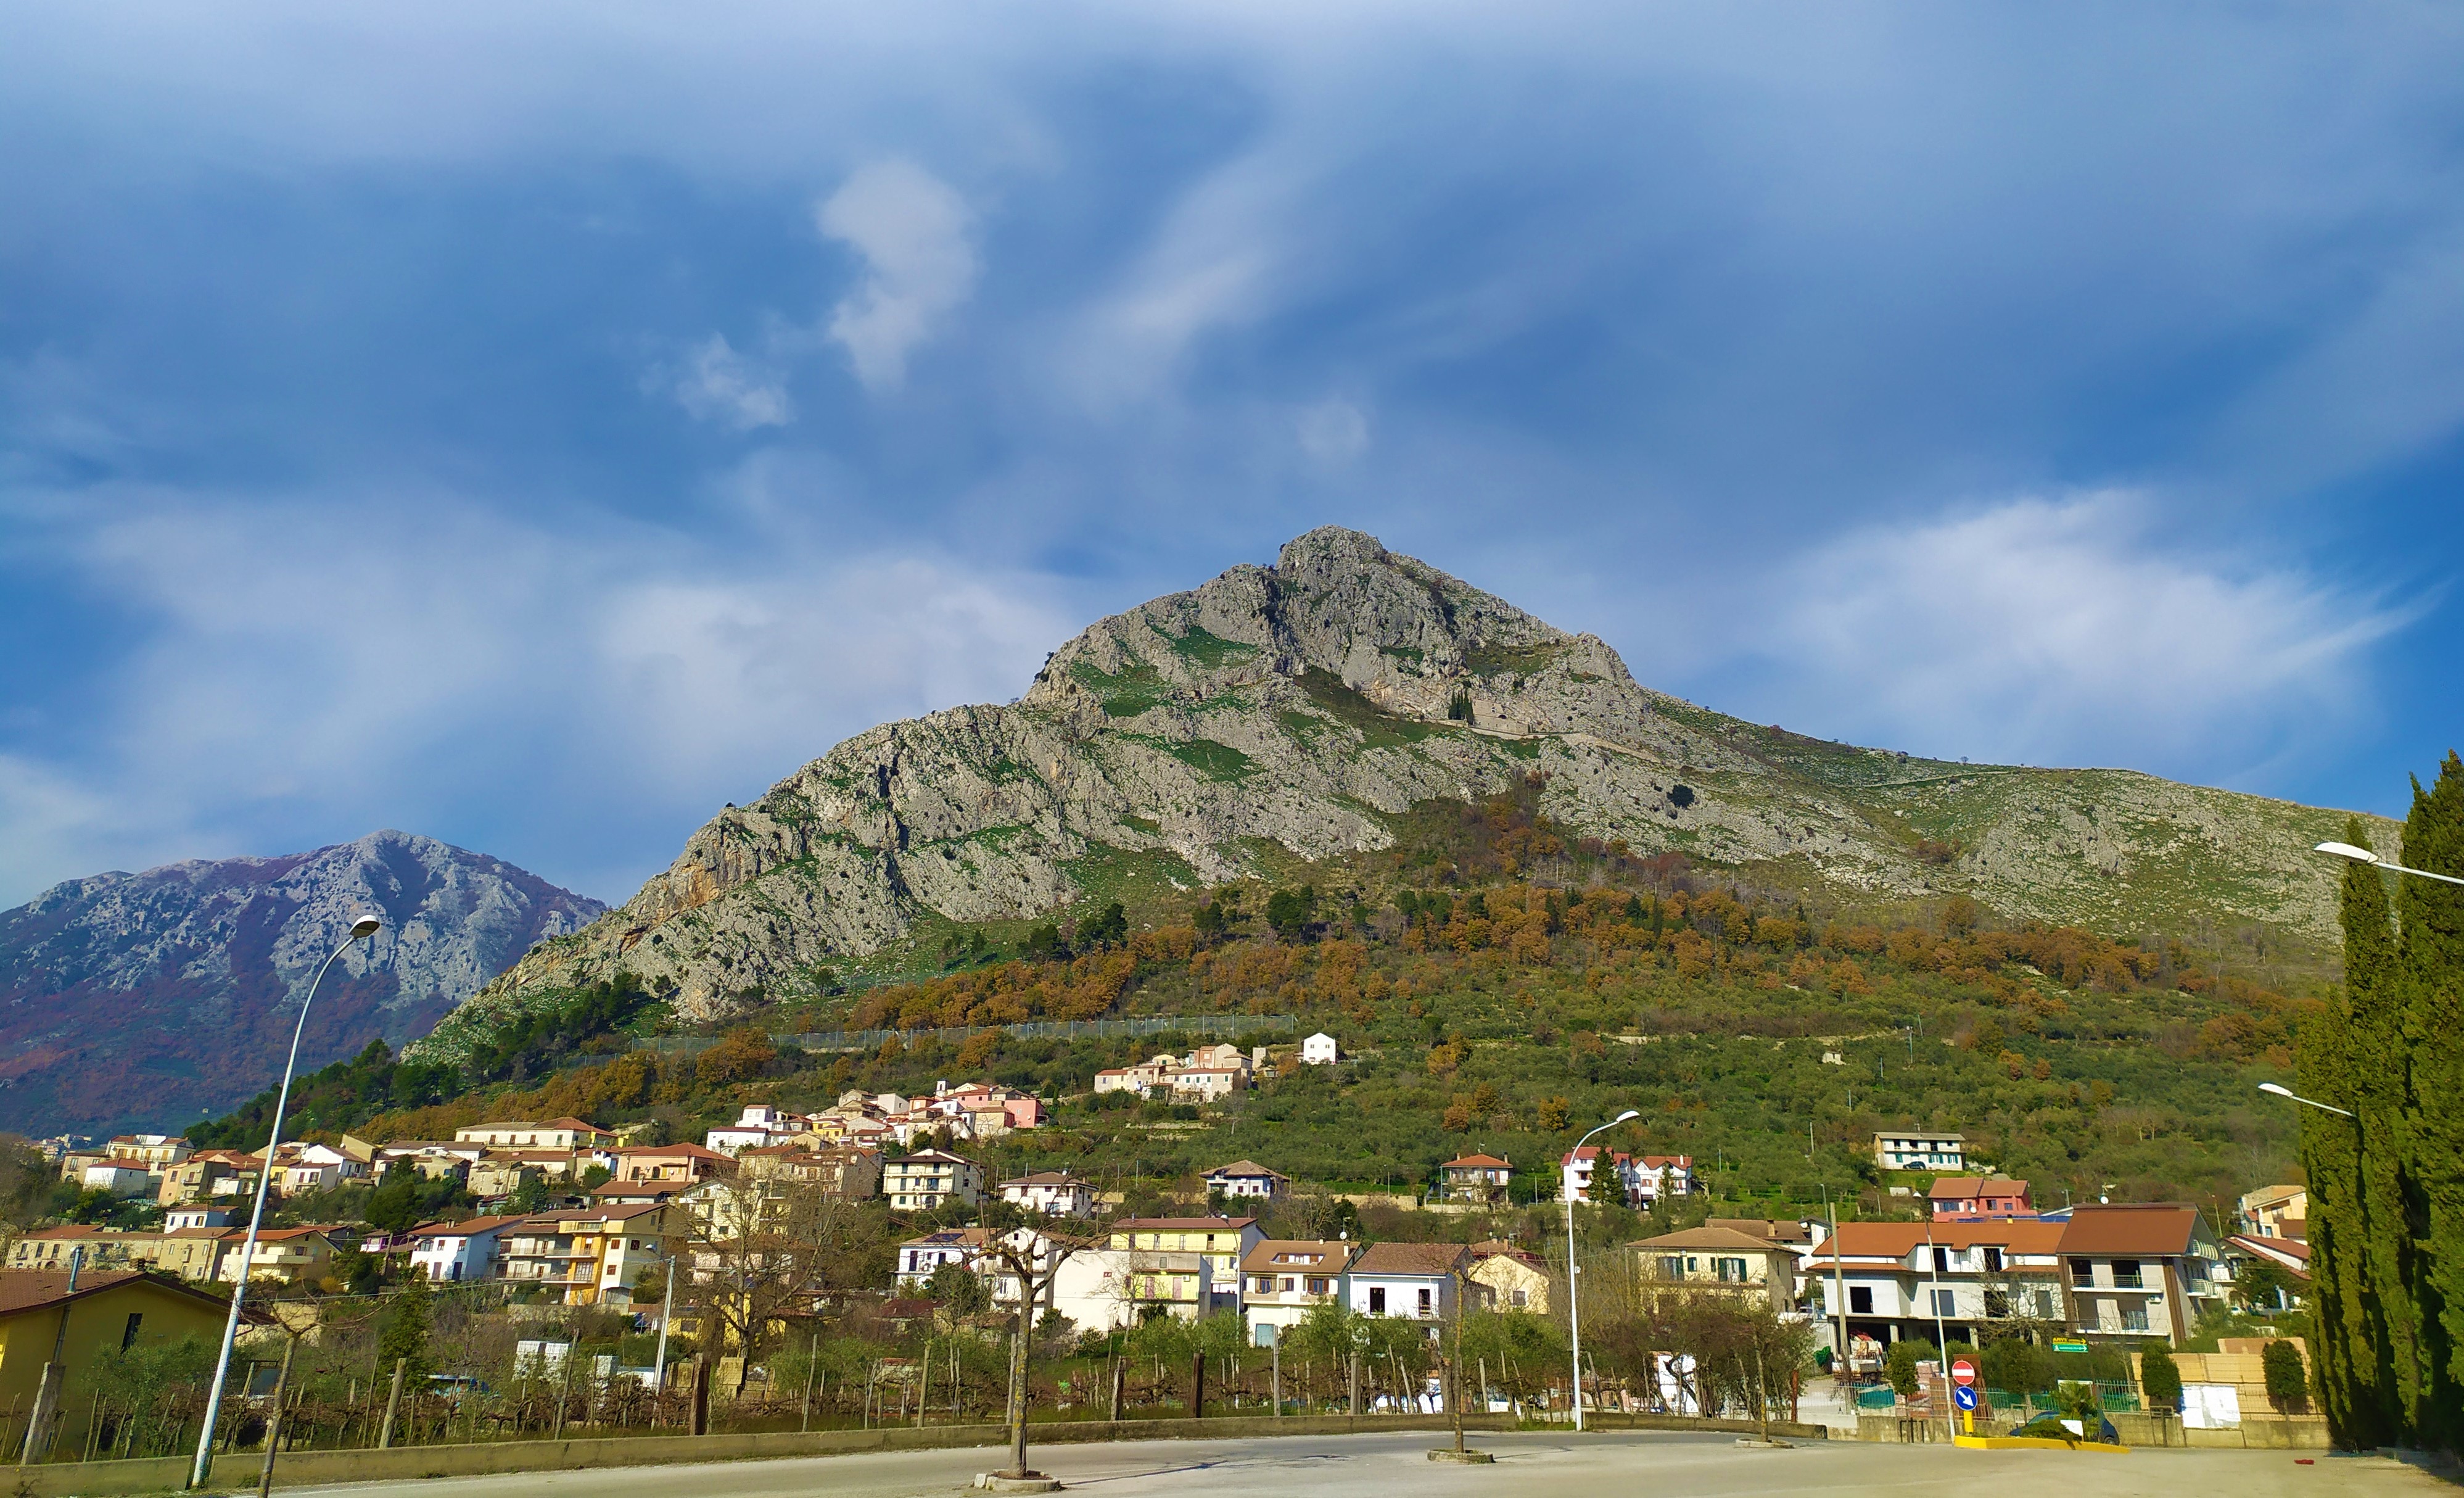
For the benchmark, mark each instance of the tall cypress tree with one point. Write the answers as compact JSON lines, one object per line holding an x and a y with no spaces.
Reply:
{"x":2431,"y":915}
{"x":2340,"y":1050}
{"x":2375,"y":1072}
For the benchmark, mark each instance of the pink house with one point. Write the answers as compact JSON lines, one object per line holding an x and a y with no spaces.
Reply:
{"x":1979,"y":1196}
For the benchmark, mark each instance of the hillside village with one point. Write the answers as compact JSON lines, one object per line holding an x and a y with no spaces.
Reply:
{"x":562,"y":1218}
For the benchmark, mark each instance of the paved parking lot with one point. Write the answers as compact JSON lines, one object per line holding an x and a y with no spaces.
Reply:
{"x":1529,"y":1466}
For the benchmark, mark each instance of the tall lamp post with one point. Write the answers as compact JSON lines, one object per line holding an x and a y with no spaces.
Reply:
{"x":2363,"y":855}
{"x":1573,"y":1291}
{"x":2293,"y":1096}
{"x":362,"y":929}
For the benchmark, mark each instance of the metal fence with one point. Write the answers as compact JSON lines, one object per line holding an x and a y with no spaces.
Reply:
{"x":1227,"y":1027}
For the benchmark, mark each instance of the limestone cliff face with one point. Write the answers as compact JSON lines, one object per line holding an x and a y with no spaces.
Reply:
{"x":1297,"y":708}
{"x":143,"y":998}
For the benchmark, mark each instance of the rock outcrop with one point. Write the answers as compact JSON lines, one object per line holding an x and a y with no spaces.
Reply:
{"x":147,"y":999}
{"x":1295,"y":711}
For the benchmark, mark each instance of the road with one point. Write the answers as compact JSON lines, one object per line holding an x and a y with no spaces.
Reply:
{"x":1535,"y":1465}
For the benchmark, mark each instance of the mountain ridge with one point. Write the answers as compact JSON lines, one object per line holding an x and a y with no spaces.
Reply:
{"x":142,"y":998}
{"x":1292,"y":712}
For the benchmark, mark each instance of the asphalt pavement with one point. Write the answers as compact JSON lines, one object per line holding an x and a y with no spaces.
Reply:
{"x":1531,"y":1465}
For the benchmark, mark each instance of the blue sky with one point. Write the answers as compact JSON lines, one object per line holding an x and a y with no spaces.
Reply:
{"x":536,"y":426}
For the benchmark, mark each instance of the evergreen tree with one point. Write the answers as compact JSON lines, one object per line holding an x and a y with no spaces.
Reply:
{"x":2431,"y":915}
{"x":2377,"y":1075}
{"x":2348,"y":1357}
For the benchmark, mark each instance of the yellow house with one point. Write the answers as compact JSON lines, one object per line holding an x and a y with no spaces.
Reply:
{"x":1516,"y":1279}
{"x":108,"y":1311}
{"x":1718,"y":1261}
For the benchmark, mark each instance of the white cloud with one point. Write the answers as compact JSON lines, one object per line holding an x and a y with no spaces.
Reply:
{"x":718,"y":383}
{"x":343,"y":663}
{"x":2060,"y":631}
{"x":913,"y":233}
{"x":1333,"y":431}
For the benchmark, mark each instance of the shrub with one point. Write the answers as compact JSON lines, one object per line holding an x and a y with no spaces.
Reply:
{"x":2288,"y":1384}
{"x":2160,"y":1377}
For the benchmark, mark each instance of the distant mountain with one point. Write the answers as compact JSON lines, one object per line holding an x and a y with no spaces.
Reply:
{"x":129,"y":1000}
{"x":1295,"y":712}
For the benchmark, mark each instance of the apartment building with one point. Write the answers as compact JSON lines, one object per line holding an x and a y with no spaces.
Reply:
{"x":928,"y":1178}
{"x":455,"y":1252}
{"x":585,"y":1256}
{"x":2140,"y":1270}
{"x":1224,"y":1242}
{"x":1914,"y":1279}
{"x":1484,"y":1179}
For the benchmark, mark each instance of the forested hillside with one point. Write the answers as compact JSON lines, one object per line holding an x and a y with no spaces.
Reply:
{"x":1499,"y":983}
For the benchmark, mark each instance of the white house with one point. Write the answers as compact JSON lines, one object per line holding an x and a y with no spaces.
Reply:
{"x":180,"y":1218}
{"x":1054,"y":1193}
{"x":1593,"y":1175}
{"x":1412,"y":1280}
{"x":920,"y":1257}
{"x":1320,"y":1050}
{"x":458,"y":1252}
{"x":1103,"y":1289}
{"x":119,"y":1177}
{"x":1920,"y":1150}
{"x":758,"y":1127}
{"x":1655,"y":1174}
{"x":1249,"y":1180}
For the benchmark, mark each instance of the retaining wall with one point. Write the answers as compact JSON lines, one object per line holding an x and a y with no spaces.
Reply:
{"x":316,"y":1468}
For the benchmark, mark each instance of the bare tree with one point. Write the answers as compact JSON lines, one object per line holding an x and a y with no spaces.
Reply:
{"x":761,"y":1249}
{"x":1033,"y":1256}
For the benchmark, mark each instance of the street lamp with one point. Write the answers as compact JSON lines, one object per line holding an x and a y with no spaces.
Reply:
{"x":362,"y":929}
{"x":2287,"y":1093}
{"x":1574,"y":1291}
{"x":2363,"y":855}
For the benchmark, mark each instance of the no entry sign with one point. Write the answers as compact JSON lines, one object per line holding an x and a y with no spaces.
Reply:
{"x":1963,"y":1373}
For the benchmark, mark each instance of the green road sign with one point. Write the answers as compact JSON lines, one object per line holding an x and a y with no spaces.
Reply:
{"x":2065,"y":1344}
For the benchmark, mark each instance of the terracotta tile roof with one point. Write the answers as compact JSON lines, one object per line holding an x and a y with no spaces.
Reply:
{"x":463,"y":1229}
{"x":1404,"y":1259}
{"x":1477,"y":1162}
{"x":1247,"y":1167}
{"x":2155,"y":1229}
{"x":1897,"y":1240}
{"x":1297,"y":1256}
{"x":1184,"y":1225}
{"x":1705,"y":1238}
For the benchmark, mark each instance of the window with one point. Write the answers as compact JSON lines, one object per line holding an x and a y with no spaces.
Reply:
{"x":1316,"y":1286}
{"x":1523,"y":1297}
{"x":1288,"y":1285}
{"x":1672,"y":1269}
{"x":1377,"y":1300}
{"x":1941,"y":1259}
{"x":2134,"y":1318}
{"x":1992,"y":1260}
{"x":2125,"y":1274}
{"x":1997,"y":1303}
{"x":128,"y":1332}
{"x":1425,"y":1301}
{"x":2083,"y":1272}
{"x":1732,"y":1272}
{"x":1946,"y":1303}
{"x":1861,"y":1300}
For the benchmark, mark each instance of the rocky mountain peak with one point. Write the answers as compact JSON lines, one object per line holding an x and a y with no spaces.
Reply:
{"x":129,"y":998}
{"x":1305,"y":708}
